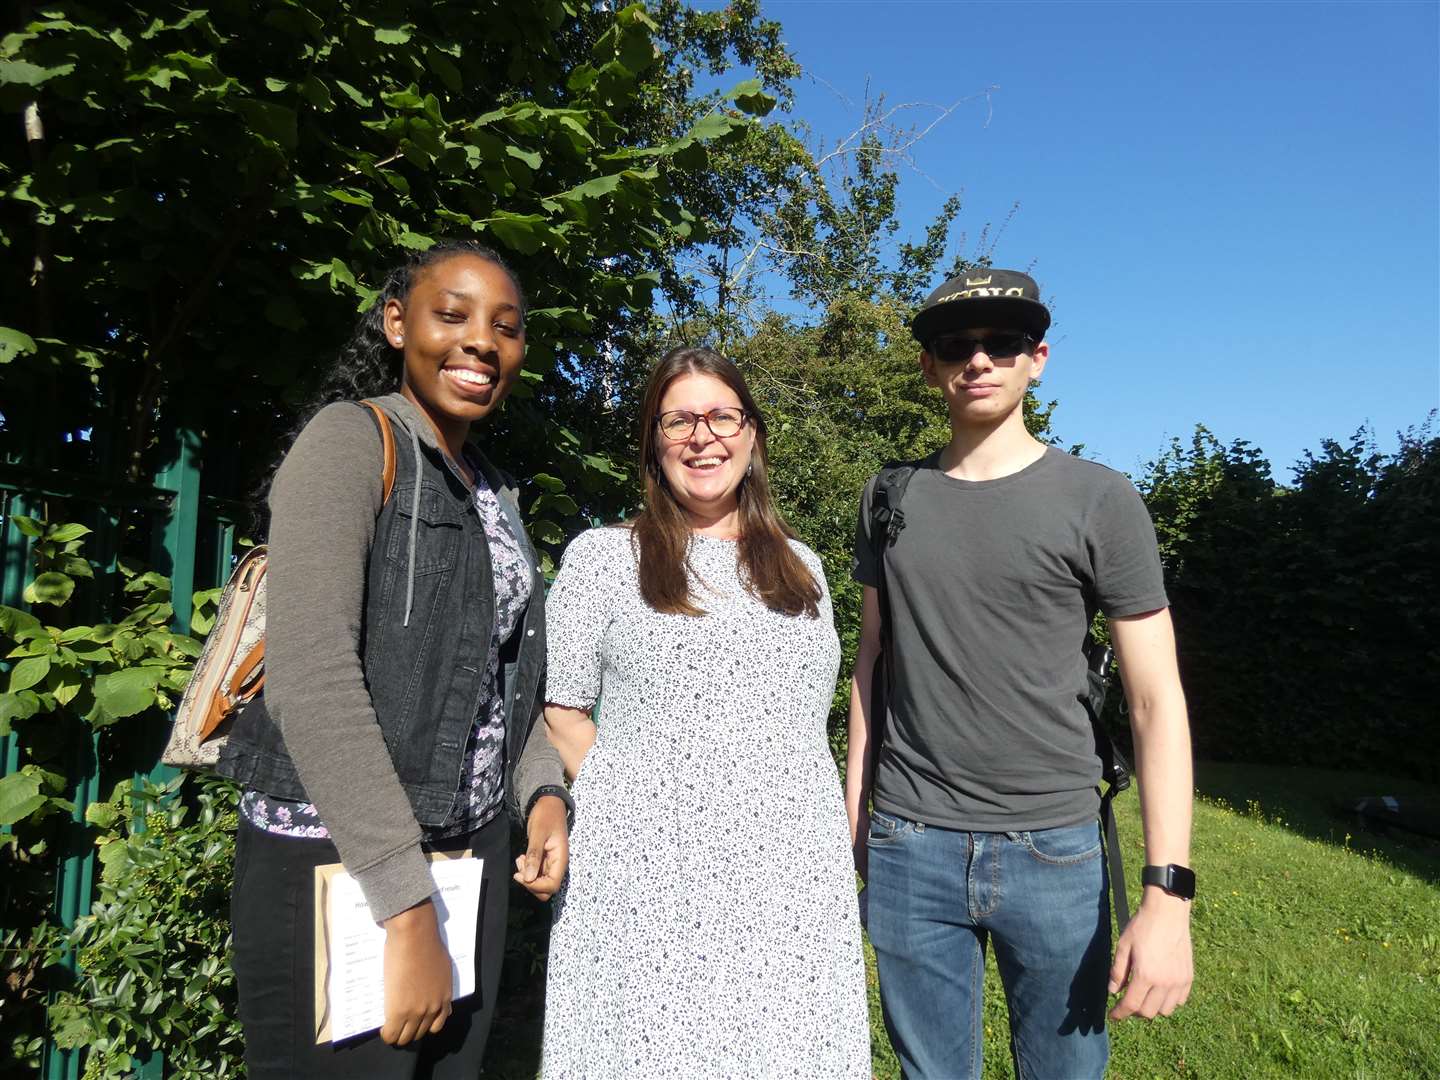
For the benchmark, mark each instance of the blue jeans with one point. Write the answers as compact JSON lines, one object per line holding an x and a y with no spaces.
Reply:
{"x":939,"y":896}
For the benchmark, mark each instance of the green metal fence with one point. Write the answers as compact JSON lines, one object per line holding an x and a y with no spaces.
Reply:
{"x":190,"y":537}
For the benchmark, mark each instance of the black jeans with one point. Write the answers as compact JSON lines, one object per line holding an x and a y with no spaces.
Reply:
{"x":272,"y":919}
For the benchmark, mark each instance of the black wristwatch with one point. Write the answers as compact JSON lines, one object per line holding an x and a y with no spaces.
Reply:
{"x":1175,"y":880}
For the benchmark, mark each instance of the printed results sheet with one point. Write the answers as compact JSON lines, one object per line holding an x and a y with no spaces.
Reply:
{"x":350,"y":945}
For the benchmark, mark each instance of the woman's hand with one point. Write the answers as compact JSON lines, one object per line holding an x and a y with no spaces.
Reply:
{"x":547,"y":856}
{"x":417,"y":976}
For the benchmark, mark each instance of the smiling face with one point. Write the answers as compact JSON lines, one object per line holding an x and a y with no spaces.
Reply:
{"x":985,"y":390}
{"x":463,"y":335}
{"x":703,"y":471}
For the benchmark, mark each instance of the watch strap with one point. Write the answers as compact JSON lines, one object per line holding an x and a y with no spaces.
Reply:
{"x":1174,"y":879}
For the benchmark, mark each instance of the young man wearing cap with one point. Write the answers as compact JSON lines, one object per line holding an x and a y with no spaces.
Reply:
{"x":974,"y":799}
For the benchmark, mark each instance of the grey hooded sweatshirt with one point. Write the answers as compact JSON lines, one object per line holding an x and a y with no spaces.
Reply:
{"x":324,"y":502}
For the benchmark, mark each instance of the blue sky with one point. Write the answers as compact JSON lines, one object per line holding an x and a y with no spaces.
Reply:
{"x":1232,"y":208}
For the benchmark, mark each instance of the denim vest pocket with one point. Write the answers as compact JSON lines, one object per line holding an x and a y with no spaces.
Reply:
{"x":438,"y":530}
{"x":1065,"y":845}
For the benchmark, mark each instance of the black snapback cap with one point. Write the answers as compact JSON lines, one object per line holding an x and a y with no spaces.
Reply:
{"x":998,"y":299}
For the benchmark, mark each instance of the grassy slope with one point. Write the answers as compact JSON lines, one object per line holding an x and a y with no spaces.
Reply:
{"x":1316,"y":957}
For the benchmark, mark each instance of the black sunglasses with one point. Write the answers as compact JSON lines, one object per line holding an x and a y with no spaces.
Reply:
{"x":957,"y":349}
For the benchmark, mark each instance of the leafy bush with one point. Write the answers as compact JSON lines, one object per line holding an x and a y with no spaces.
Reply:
{"x":153,"y":955}
{"x":74,"y":701}
{"x":1306,"y":614}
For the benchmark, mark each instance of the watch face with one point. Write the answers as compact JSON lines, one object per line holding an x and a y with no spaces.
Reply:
{"x":1182,"y":881}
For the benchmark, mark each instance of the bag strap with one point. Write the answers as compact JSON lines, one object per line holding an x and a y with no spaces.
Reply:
{"x":886,"y":522}
{"x":1114,"y":771}
{"x":387,"y":447}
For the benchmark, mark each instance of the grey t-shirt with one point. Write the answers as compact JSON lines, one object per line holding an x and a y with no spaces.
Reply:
{"x":992,"y":588}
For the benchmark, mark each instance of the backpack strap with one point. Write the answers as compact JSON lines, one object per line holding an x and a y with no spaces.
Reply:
{"x":886,"y":522}
{"x":387,"y":448}
{"x":1114,"y":771}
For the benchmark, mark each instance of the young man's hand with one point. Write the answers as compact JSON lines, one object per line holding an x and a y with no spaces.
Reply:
{"x":859,"y":851}
{"x":547,"y":856}
{"x":1153,"y":965}
{"x":1153,"y":961}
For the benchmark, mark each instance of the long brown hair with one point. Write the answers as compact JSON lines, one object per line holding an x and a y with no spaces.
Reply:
{"x":771,"y":570}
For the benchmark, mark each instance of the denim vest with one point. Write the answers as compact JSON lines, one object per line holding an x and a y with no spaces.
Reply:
{"x":429,"y":612}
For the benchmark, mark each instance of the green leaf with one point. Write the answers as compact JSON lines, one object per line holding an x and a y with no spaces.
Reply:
{"x":592,"y":189}
{"x":560,"y":505}
{"x":65,"y":687}
{"x":396,"y":36}
{"x":751,"y":97}
{"x":19,"y":797}
{"x":270,"y":120}
{"x":354,"y":95}
{"x":50,"y":588}
{"x":103,"y":815}
{"x":546,"y":532}
{"x":67,"y":532}
{"x":24,"y":73}
{"x":548,"y":482}
{"x":714,"y":125}
{"x":17,"y":707}
{"x":28,"y":525}
{"x":414,"y":241}
{"x":28,"y":673}
{"x":524,"y":233}
{"x":127,"y":691}
{"x":75,"y":566}
{"x":317,"y":93}
{"x":445,"y":68}
{"x":341,"y":273}
{"x":20,"y":625}
{"x":13,"y":343}
{"x":409,"y":98}
{"x":351,"y":198}
{"x":529,"y":157}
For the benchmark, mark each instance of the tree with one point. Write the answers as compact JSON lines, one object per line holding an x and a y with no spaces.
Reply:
{"x":207,"y":196}
{"x":201,"y":202}
{"x":1305,"y":614}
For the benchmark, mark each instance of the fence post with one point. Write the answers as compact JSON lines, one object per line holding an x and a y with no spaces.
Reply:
{"x":174,"y":543}
{"x":15,"y":560}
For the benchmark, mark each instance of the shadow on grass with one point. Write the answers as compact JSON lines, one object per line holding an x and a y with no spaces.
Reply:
{"x":1316,"y":803}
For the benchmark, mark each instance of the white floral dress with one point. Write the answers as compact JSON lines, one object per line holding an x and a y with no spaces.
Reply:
{"x":709,"y":926}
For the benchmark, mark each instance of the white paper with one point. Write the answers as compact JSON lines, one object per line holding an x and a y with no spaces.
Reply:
{"x":355,"y":993}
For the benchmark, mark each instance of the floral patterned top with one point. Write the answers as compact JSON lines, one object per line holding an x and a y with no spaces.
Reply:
{"x":483,"y":778}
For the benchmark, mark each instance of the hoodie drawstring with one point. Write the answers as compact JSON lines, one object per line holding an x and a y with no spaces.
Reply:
{"x":414,"y":524}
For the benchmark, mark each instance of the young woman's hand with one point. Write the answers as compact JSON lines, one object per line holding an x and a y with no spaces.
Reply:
{"x":417,"y":976}
{"x":547,"y":856}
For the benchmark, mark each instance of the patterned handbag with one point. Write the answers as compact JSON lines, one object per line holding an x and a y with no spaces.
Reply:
{"x":231,"y":667}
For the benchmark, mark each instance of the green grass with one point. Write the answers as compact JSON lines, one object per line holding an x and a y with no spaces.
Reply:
{"x":1317,"y":952}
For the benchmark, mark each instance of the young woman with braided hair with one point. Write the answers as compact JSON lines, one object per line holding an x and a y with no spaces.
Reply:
{"x":405,"y":651}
